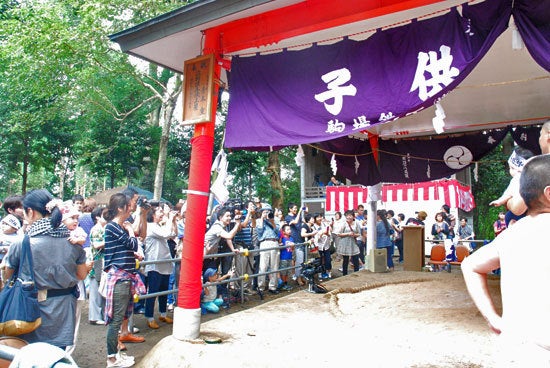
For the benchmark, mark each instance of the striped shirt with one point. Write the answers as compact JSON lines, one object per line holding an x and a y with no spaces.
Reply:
{"x":119,"y":248}
{"x":244,"y":236}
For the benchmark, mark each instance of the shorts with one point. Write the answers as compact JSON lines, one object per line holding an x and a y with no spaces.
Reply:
{"x":285,"y":263}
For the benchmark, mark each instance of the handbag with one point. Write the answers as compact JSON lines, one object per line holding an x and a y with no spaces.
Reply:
{"x":332,"y":247}
{"x":19,"y":308}
{"x":102,"y":288}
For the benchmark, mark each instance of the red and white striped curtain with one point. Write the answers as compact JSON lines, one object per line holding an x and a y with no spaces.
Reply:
{"x":451,"y":192}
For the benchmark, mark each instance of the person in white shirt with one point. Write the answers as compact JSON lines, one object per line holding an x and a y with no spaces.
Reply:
{"x":524,"y":323}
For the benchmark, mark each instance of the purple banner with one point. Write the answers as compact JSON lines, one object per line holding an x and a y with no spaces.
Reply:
{"x":354,"y":160}
{"x":426,"y":159}
{"x":331,"y":91}
{"x":410,"y":160}
{"x":527,"y":137}
{"x":533,"y":21}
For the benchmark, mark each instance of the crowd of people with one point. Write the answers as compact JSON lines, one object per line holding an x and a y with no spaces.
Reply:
{"x":96,"y":248}
{"x":282,"y":243}
{"x":85,"y":252}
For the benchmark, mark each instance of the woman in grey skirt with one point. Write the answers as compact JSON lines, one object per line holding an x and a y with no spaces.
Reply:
{"x":347,"y":231}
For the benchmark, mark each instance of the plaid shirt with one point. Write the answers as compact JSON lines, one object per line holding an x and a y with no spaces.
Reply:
{"x":116,"y":274}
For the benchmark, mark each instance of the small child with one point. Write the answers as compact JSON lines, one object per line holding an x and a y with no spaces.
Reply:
{"x":286,"y":256}
{"x":10,"y":230}
{"x":211,"y":301}
{"x":70,"y":219}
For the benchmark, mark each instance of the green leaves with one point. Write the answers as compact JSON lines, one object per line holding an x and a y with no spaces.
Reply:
{"x":67,"y":95}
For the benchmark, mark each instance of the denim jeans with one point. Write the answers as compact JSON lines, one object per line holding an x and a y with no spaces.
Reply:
{"x":389,"y":256}
{"x":121,"y":298}
{"x":171,"y":282}
{"x":399,"y":244}
{"x":300,"y":253}
{"x":326,"y":260}
{"x":157,"y":282}
{"x":362,"y":248}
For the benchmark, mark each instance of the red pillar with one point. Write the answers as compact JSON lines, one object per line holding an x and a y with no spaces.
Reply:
{"x":202,"y":147}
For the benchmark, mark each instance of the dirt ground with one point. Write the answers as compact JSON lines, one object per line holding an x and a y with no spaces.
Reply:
{"x":396,"y":319}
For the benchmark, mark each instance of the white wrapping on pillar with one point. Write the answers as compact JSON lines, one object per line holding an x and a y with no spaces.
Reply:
{"x":187,"y":323}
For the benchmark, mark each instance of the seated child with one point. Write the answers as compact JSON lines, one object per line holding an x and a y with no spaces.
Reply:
{"x":211,"y":301}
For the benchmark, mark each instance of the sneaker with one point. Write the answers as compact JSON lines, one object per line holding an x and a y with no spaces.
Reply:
{"x":121,"y":361}
{"x":361,"y":268}
{"x":294,"y":277}
{"x":135,"y":330}
{"x":139,"y":311}
{"x":131,"y":338}
{"x":286,"y":287}
{"x":166,"y":320}
{"x":329,"y":275}
{"x":341,"y":269}
{"x":170,"y":307}
{"x":324,"y":275}
{"x":98,"y":322}
{"x":273,"y":291}
{"x":126,"y":356}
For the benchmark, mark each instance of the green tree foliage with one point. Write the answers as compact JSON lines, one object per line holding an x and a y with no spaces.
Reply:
{"x":493,"y":178}
{"x":78,"y":115}
{"x":68,"y":98}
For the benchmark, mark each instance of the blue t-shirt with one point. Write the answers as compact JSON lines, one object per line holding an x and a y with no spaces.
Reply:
{"x":296,"y":229}
{"x":286,"y":253}
{"x":382,"y":236}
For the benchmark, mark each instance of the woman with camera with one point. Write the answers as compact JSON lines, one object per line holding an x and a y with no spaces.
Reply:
{"x":156,"y":248}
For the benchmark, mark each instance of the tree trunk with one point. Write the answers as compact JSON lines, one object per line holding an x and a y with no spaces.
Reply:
{"x":25,"y":175}
{"x":274,"y":169}
{"x":167,"y":112}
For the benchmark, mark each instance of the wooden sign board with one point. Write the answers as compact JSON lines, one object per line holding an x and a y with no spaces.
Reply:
{"x":198,"y":89}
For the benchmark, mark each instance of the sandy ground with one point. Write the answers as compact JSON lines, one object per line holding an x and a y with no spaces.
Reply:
{"x":397,"y":319}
